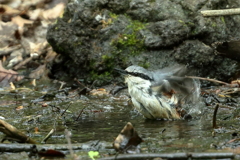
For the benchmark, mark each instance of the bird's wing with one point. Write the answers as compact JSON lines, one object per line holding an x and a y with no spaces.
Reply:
{"x":161,"y":74}
{"x":172,"y":80}
{"x":186,"y":88}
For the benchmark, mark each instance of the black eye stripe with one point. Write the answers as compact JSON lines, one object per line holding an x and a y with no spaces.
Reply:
{"x":136,"y":74}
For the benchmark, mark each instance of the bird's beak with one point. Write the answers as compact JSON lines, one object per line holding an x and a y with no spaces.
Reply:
{"x":121,"y":71}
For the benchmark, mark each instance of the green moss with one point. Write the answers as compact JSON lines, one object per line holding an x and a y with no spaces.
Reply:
{"x":214,"y":24}
{"x":137,"y":25}
{"x":108,"y":61}
{"x":113,"y":15}
{"x":103,"y":77}
{"x":130,"y":40}
{"x":182,"y":22}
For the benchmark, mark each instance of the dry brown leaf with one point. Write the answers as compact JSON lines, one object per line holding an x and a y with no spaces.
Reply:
{"x":37,"y":48}
{"x":33,"y":82}
{"x":53,"y":13}
{"x":12,"y":86}
{"x":127,"y":139}
{"x":7,"y":76}
{"x":34,"y":14}
{"x":50,"y":55}
{"x":21,"y":21}
{"x":19,"y":108}
{"x":98,"y":92}
{"x":36,"y":130}
{"x":236,"y":82}
{"x":6,"y":10}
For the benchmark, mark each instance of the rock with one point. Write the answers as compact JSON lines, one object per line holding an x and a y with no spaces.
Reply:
{"x":93,"y":37}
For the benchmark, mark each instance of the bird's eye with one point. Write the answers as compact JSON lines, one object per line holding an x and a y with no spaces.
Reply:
{"x":127,"y":76}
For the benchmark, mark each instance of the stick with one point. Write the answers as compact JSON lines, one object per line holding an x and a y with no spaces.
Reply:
{"x":222,"y":12}
{"x":208,"y":79}
{"x":48,"y":136}
{"x":80,"y":113}
{"x":172,"y":156}
{"x":215,"y":117}
{"x":14,"y":133}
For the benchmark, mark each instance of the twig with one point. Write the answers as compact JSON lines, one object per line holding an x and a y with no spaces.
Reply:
{"x":80,"y":113}
{"x":222,"y":12}
{"x":48,"y":136}
{"x":230,"y":91}
{"x":15,"y":147}
{"x":75,"y":79}
{"x":215,"y":117}
{"x":172,"y":156}
{"x":208,"y":79}
{"x":22,"y":63}
{"x":66,"y":108}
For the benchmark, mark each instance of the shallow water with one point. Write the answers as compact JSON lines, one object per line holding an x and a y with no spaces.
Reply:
{"x":102,"y":117}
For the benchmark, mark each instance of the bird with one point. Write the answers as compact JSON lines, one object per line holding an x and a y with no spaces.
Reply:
{"x":160,"y":94}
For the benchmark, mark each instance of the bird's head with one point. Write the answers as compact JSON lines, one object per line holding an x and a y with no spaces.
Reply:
{"x":136,"y":74}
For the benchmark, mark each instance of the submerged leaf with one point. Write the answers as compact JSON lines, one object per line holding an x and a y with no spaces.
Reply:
{"x":50,"y":153}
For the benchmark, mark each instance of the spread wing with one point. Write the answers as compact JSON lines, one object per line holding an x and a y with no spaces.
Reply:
{"x":173,"y":81}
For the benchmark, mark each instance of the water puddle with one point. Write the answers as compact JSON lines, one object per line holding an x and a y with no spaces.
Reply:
{"x":100,"y":118}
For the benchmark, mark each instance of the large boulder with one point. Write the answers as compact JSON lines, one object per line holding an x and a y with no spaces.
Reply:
{"x":93,"y":37}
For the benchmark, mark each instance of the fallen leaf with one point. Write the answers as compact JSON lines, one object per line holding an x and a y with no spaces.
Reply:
{"x":12,"y":86}
{"x":19,"y":108}
{"x":50,"y":153}
{"x":33,"y":82}
{"x":6,"y":10}
{"x":21,"y":21}
{"x":127,"y":139}
{"x":98,"y":92}
{"x":36,"y":130}
{"x":54,"y":12}
{"x":44,"y":105}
